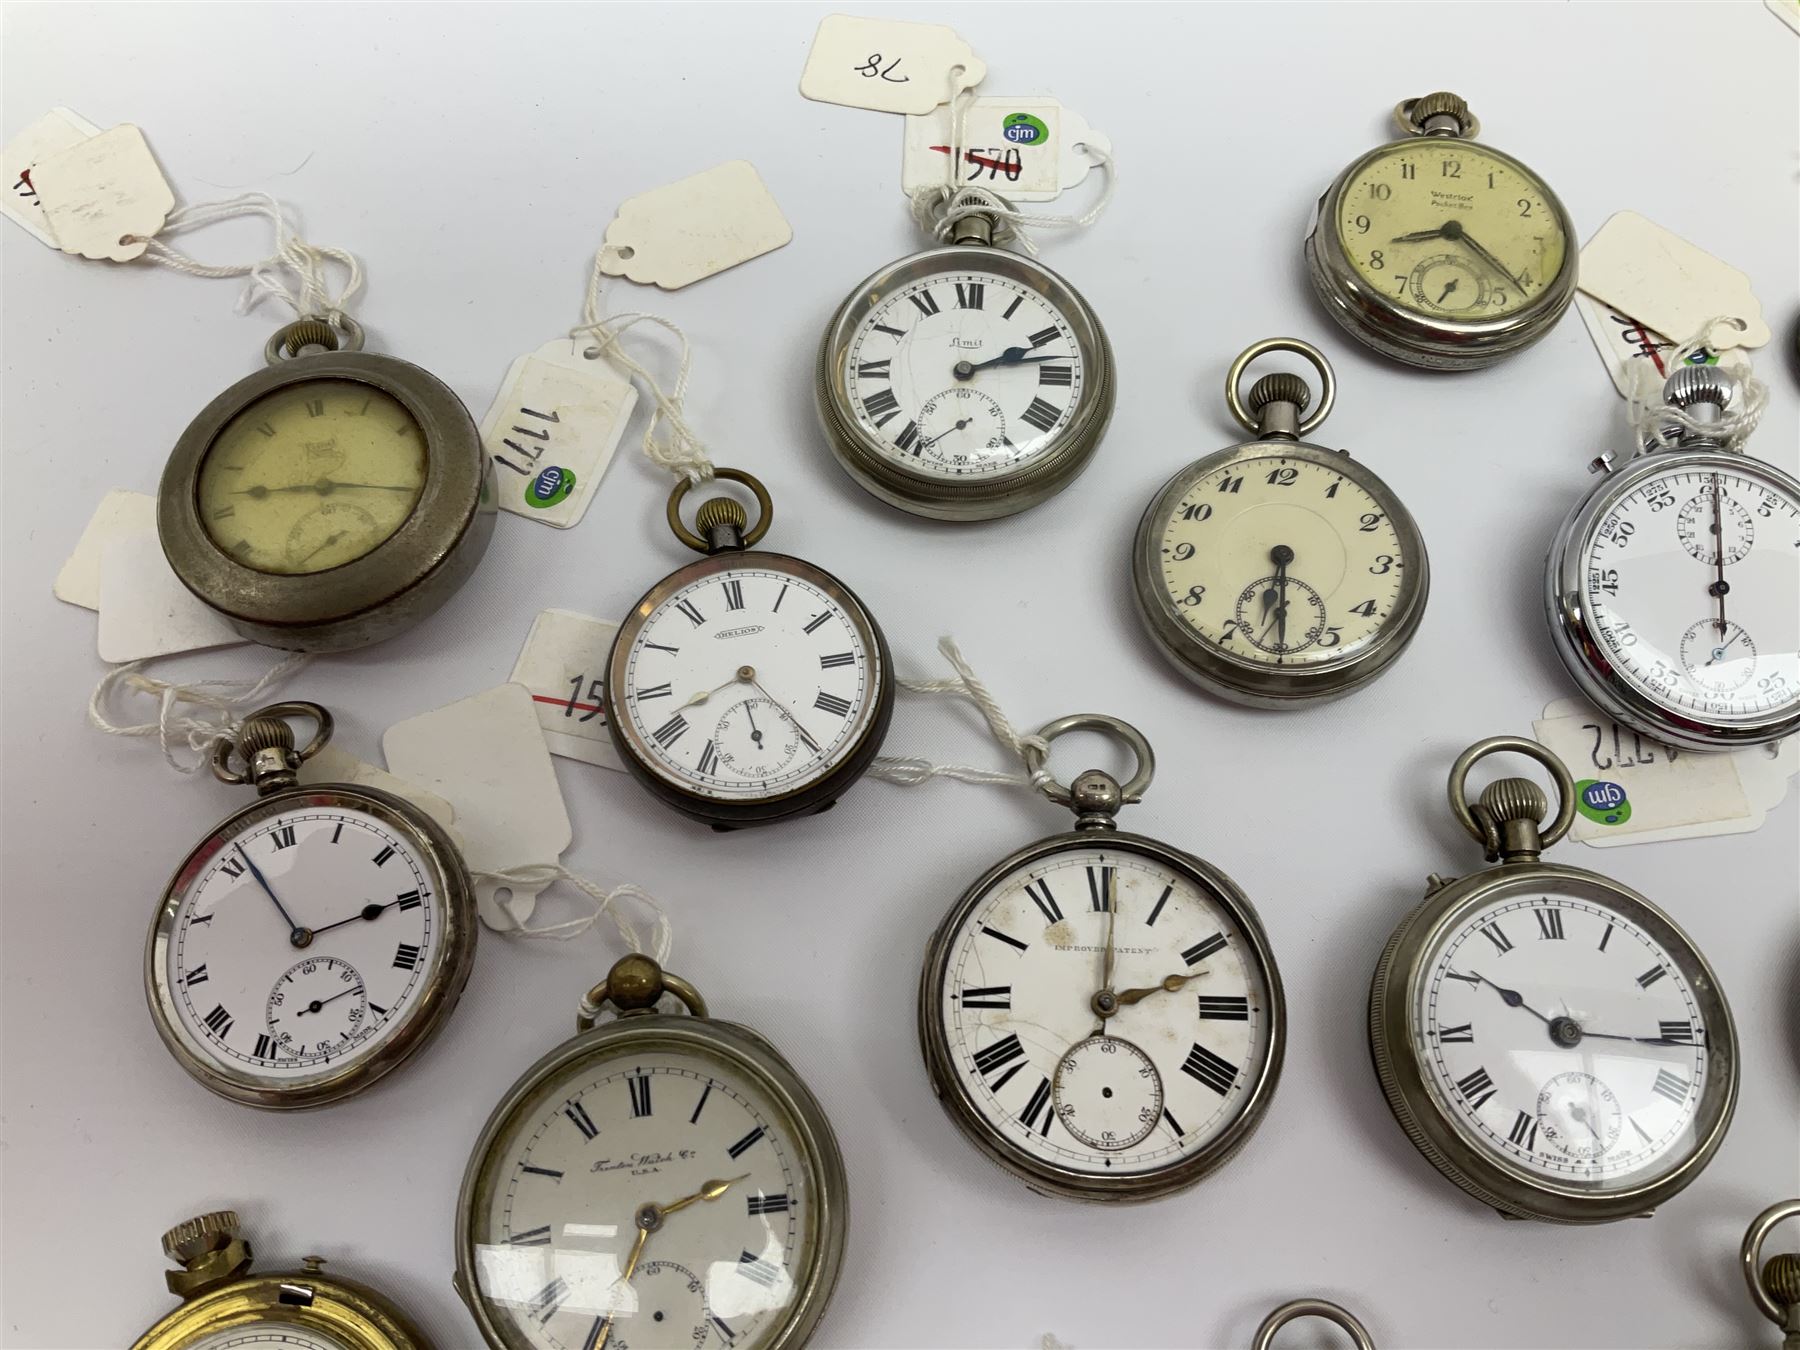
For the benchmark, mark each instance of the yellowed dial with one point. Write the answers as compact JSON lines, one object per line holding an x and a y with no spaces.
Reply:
{"x":312,"y":476}
{"x":1282,"y":561}
{"x":1449,"y":230}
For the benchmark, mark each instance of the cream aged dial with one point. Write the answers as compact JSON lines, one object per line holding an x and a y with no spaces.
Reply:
{"x":1277,"y":571}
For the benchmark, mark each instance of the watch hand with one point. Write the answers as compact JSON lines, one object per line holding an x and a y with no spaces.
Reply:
{"x":1012,"y":356}
{"x":329,"y":541}
{"x":712,"y":1190}
{"x":1281,"y":555}
{"x":1112,"y":923}
{"x":321,"y":486}
{"x":369,"y":912}
{"x":1720,"y":588}
{"x":755,"y":731}
{"x":930,"y":441}
{"x":1445,"y":293}
{"x":1170,"y":984}
{"x":319,"y":1003}
{"x":296,"y":934}
{"x":794,"y":721}
{"x":1724,"y":647}
{"x":1579,"y":1112}
{"x":1511,"y":997}
{"x":648,"y":1220}
{"x":743,"y":676}
{"x":1419,"y":236}
{"x":1489,"y":259}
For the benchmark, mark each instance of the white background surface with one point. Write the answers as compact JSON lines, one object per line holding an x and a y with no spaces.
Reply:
{"x":472,"y":157}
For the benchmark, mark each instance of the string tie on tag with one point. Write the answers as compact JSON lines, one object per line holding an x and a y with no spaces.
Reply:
{"x":910,"y":771}
{"x":536,"y":876}
{"x":1656,"y":421}
{"x":219,"y":703}
{"x":296,"y":273}
{"x":681,"y":451}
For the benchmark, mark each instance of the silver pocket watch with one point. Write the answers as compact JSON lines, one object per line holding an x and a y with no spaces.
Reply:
{"x":1100,"y":1013}
{"x":332,"y":500}
{"x":1277,"y":572}
{"x":747,"y":687}
{"x":1774,"y":1284}
{"x":1548,"y":1038}
{"x":313,"y":941}
{"x":1673,"y":587}
{"x":966,"y":382}
{"x":1439,"y":252}
{"x":664,"y":1181}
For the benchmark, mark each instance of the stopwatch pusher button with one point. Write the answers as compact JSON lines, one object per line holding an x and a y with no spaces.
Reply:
{"x":210,"y":1251}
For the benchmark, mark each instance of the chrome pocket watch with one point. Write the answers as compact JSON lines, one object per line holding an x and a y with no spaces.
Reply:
{"x":1438,"y":252}
{"x":1100,"y":1013}
{"x":1278,"y":572}
{"x":662,"y":1182}
{"x":225,"y":1307}
{"x":966,"y":382}
{"x":747,"y":687}
{"x":1774,"y":1285}
{"x":315,"y":940}
{"x":1673,"y":587}
{"x":1548,"y":1038}
{"x":330,"y":501}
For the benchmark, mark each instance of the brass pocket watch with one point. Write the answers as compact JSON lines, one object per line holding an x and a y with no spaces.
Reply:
{"x":315,"y":940}
{"x":1438,"y":252}
{"x":225,"y":1307}
{"x":1775,"y":1284}
{"x":1277,"y":572}
{"x":664,"y":1181}
{"x":747,"y":687}
{"x":1100,"y":1012}
{"x":966,"y":382}
{"x":1547,"y":1037}
{"x":1673,"y":587}
{"x":330,"y":501}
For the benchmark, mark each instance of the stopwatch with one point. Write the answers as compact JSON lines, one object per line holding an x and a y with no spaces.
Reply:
{"x":1100,"y":1013}
{"x":313,"y":941}
{"x":1548,"y":1038}
{"x":966,"y":382}
{"x":664,"y":1182}
{"x":332,"y":500}
{"x":747,"y":687}
{"x":226,"y":1307}
{"x":1673,"y":587}
{"x":1439,"y":252}
{"x":1277,"y":572}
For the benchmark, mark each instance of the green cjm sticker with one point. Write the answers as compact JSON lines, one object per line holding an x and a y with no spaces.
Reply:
{"x":1602,"y":801}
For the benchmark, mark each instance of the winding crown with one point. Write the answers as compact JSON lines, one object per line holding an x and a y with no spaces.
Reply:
{"x":1507,"y":799}
{"x":1441,"y":104}
{"x":1701,"y":384}
{"x":718,"y":511}
{"x":265,"y":733}
{"x":1781,"y":1277}
{"x":197,"y":1236}
{"x":1281,"y":387}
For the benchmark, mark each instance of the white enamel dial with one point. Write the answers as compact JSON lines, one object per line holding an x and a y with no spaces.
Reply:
{"x":267,"y":1336}
{"x":565,"y":1186}
{"x":749,"y":682}
{"x":1692,"y":586}
{"x":1562,"y":1037}
{"x":1282,"y":561}
{"x":1018,"y":1000}
{"x":302,"y":939}
{"x":965,"y":374}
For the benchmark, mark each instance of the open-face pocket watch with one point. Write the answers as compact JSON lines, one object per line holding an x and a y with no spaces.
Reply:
{"x":1548,"y":1038}
{"x":1438,"y":252}
{"x":315,"y":940}
{"x":226,"y":1307}
{"x":1100,"y":1013}
{"x":1775,"y":1284}
{"x":966,"y":382}
{"x":662,"y":1182}
{"x":1277,"y":572}
{"x":332,"y":500}
{"x":1673,"y":587}
{"x":747,"y":687}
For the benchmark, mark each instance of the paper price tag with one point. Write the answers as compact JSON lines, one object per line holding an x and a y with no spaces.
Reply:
{"x":887,"y":65}
{"x":1788,"y":11}
{"x":676,"y":235}
{"x":1631,"y":789}
{"x":1632,"y":352}
{"x":119,"y":514}
{"x":563,"y":664}
{"x":332,"y":765}
{"x":101,"y":189}
{"x":55,"y":131}
{"x":486,"y":757}
{"x":1026,"y":149}
{"x":552,"y":430}
{"x":1641,"y":269}
{"x":145,"y":611}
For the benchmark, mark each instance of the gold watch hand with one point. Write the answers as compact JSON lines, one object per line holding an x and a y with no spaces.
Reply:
{"x":743,"y":675}
{"x":712,"y":1190}
{"x":1170,"y":984}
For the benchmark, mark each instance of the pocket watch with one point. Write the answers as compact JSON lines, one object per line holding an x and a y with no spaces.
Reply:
{"x":1673,"y":587}
{"x":747,"y":687}
{"x":1100,"y":1012}
{"x":225,"y":1307}
{"x":1549,"y":1039}
{"x":1311,"y":1307}
{"x":332,"y":500}
{"x":1774,"y":1285}
{"x":965,"y":382}
{"x":1438,"y":252}
{"x":1278,"y":572}
{"x":315,"y":940}
{"x":661,"y":1182}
